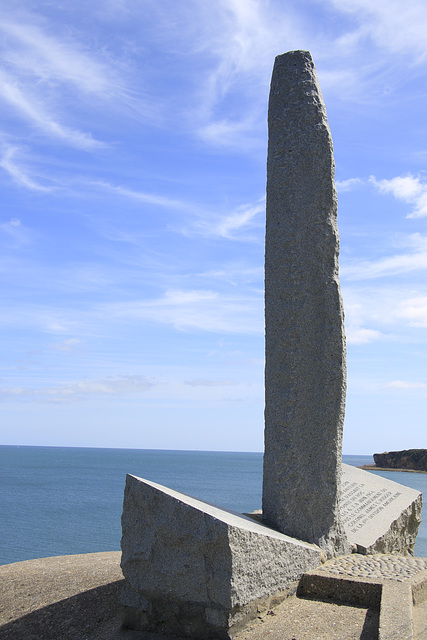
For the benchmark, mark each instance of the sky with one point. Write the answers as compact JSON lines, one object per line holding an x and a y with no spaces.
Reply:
{"x":133,"y":141}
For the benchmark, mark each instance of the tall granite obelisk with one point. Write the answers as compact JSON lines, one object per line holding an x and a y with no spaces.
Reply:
{"x":305,"y":375}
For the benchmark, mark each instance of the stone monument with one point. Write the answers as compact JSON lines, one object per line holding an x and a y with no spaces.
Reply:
{"x":197,"y":570}
{"x":305,"y":374}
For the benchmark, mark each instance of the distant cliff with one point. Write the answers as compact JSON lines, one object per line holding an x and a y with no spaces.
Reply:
{"x":414,"y":459}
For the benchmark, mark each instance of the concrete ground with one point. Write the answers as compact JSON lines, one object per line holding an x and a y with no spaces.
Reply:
{"x":75,"y":598}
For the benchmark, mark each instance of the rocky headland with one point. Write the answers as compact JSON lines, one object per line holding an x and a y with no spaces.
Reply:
{"x":407,"y":460}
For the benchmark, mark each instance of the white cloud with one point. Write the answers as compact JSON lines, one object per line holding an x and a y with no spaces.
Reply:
{"x":368,"y":311}
{"x":401,"y":384}
{"x":387,"y":314}
{"x":36,"y":114}
{"x":233,"y":226}
{"x":227,"y":226}
{"x":236,"y":275}
{"x":347,"y":185}
{"x":411,"y":189}
{"x":109,"y":386}
{"x":398,"y":264}
{"x":223,"y":133}
{"x":396,"y":26}
{"x":244,"y":39}
{"x":72,"y":344}
{"x":31,"y":50}
{"x":359,"y":335}
{"x":199,"y":309}
{"x":18,"y":173}
{"x":16,"y":231}
{"x":44,"y":72}
{"x":241,"y":217}
{"x":236,"y":41}
{"x":149,"y":198}
{"x":414,"y":310}
{"x":230,"y":225}
{"x":11,"y":226}
{"x":201,"y":382}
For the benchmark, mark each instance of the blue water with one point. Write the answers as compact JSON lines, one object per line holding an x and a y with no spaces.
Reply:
{"x":60,"y":501}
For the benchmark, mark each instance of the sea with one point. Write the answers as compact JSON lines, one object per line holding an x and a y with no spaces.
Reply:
{"x":59,"y":501}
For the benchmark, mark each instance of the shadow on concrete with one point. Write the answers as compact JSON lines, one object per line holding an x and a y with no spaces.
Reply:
{"x":89,"y":615}
{"x":371,"y":625}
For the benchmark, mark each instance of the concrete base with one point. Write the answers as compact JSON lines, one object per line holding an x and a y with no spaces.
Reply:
{"x":195,"y":620}
{"x":391,"y":584}
{"x":197,"y":570}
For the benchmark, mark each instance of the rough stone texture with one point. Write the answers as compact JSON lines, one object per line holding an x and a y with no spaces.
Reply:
{"x":197,"y":570}
{"x":380,"y":566}
{"x":414,"y":459}
{"x":379,"y":515}
{"x":305,"y":375}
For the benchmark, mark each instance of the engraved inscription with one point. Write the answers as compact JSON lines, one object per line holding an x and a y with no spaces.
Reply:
{"x":358,"y":506}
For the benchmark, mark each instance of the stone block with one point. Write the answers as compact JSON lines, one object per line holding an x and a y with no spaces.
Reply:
{"x":379,"y":515}
{"x":197,"y":570}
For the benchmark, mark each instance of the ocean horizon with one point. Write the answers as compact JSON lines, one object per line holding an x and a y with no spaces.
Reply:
{"x":68,"y":500}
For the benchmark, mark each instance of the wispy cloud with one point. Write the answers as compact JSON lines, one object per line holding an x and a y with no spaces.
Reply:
{"x":385,"y":314}
{"x":240,"y":47}
{"x":48,"y":58}
{"x":398,"y":27}
{"x":43,"y":71}
{"x":141,"y":196}
{"x":242,"y":217}
{"x":237,"y":41}
{"x":228,"y":133}
{"x":232,"y":226}
{"x":397,"y":264}
{"x":198,"y":309}
{"x":348,"y":185}
{"x":71,"y":391}
{"x":31,"y":109}
{"x":10,"y":163}
{"x":201,"y":382}
{"x":69,"y":345}
{"x":402,"y":384}
{"x":409,"y":188}
{"x":15,"y":231}
{"x":236,"y":274}
{"x":359,"y":335}
{"x":414,"y":310}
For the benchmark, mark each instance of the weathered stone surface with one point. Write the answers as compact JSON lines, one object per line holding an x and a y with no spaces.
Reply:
{"x":414,"y":459}
{"x":198,"y":570}
{"x":379,"y":515}
{"x":305,"y":376}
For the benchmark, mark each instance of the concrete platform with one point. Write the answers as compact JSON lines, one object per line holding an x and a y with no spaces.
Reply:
{"x":393,"y":585}
{"x":76,"y":598}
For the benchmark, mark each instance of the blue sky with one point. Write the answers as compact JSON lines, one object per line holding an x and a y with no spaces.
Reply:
{"x":132,"y":182}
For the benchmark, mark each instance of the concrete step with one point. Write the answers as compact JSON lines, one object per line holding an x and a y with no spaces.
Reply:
{"x":394,"y":585}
